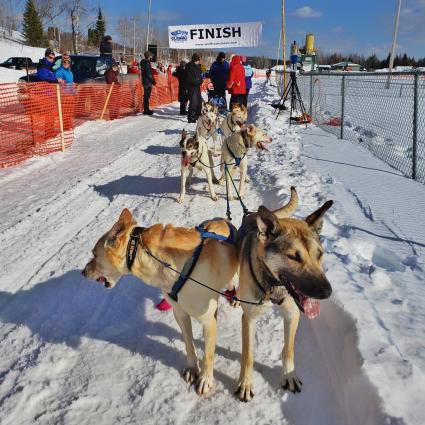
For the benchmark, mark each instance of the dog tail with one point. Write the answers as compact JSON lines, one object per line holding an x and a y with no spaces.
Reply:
{"x":290,"y":207}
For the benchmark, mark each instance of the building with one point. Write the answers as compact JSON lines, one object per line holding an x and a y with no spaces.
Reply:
{"x":348,"y":66}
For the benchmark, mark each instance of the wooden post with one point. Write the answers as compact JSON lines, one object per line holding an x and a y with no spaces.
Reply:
{"x":58,"y":96}
{"x":106,"y":101}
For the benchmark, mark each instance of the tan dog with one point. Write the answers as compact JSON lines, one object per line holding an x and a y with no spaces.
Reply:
{"x":215,"y":267}
{"x":280,"y":263}
{"x":234,"y":152}
{"x":235,"y":119}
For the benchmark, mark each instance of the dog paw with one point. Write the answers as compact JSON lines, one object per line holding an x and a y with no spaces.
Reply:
{"x":291,"y":382}
{"x":180,"y":200}
{"x":244,"y":391}
{"x":214,"y":197}
{"x":190,"y":375}
{"x":205,"y":384}
{"x":247,"y":179}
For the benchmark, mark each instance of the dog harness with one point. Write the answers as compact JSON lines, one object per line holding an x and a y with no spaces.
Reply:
{"x":236,"y":158}
{"x":136,"y":238}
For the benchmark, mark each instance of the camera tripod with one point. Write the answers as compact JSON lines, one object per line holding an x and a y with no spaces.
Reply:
{"x":293,"y":91}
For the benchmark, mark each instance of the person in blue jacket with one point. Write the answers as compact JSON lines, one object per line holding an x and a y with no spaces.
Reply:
{"x":249,"y":72}
{"x":45,"y":67}
{"x":219,"y":72}
{"x":64,"y":73}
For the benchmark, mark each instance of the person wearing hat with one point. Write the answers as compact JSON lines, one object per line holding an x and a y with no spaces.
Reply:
{"x":249,"y":73}
{"x":147,"y":81}
{"x":193,"y":79}
{"x":64,"y":73}
{"x":236,"y":81}
{"x":111,"y":76}
{"x":106,"y":46}
{"x":45,"y":67}
{"x":218,"y":74}
{"x":179,"y":73}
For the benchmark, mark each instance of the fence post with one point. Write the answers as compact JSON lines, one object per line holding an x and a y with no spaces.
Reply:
{"x":311,"y":96}
{"x":415,"y":126}
{"x":58,"y":96}
{"x":342,"y":106}
{"x":106,"y":101}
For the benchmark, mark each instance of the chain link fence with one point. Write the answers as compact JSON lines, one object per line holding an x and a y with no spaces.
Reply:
{"x":383,"y":112}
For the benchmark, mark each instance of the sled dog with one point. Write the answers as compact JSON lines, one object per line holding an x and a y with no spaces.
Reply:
{"x":159,"y":245}
{"x":235,"y":119}
{"x":280,"y":262}
{"x":234,"y":152}
{"x":195,"y":154}
{"x":207,"y":124}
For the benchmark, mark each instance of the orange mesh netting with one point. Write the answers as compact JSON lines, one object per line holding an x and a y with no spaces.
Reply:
{"x":30,"y":122}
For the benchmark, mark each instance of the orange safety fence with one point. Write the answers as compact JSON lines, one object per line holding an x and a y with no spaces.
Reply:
{"x":39,"y":118}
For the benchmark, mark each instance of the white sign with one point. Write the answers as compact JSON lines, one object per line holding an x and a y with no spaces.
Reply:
{"x":214,"y":35}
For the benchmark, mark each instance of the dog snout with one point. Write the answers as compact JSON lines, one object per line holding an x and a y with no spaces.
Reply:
{"x":83,"y":272}
{"x":184,"y":153}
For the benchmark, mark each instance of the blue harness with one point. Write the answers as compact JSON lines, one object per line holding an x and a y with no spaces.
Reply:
{"x":191,"y":263}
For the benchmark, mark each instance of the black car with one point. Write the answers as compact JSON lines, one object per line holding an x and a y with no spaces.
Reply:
{"x":19,"y":63}
{"x":86,"y":69}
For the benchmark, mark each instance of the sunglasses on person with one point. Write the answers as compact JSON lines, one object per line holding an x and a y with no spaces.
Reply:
{"x":51,"y":55}
{"x":66,"y":61}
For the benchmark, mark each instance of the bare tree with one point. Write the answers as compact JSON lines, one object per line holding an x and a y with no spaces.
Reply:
{"x":76,"y":9}
{"x":9,"y":15}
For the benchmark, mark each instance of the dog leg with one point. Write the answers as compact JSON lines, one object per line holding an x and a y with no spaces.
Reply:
{"x":206,"y":379}
{"x":244,"y":390}
{"x":185,"y":172}
{"x":244,"y":173}
{"x":191,"y":373}
{"x":291,"y":317}
{"x":214,"y":197}
{"x":211,"y":164}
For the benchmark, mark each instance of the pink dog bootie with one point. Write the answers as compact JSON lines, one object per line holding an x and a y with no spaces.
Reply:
{"x":163,"y":305}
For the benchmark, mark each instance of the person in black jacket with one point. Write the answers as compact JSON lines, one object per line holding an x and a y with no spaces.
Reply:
{"x":193,"y":87}
{"x":180,"y":74}
{"x":147,"y":81}
{"x":105,"y":47}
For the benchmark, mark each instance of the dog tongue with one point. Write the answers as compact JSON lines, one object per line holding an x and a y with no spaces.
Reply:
{"x":261,"y":146}
{"x":186,"y":160}
{"x":311,"y":307}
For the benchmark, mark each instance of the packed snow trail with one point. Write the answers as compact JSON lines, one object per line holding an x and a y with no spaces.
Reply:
{"x":75,"y":353}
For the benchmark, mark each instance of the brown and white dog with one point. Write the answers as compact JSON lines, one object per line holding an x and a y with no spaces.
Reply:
{"x":207,"y":124}
{"x":235,"y":119}
{"x":234,"y":150}
{"x":280,"y":261}
{"x":216,"y":266}
{"x":195,"y":154}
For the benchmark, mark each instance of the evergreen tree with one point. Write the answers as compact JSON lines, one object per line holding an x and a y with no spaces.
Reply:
{"x":100,"y":27}
{"x":32,"y":26}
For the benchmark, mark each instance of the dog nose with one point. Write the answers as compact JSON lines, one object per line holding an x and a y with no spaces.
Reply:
{"x":184,"y":153}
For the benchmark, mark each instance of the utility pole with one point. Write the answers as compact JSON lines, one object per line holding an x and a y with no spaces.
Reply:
{"x":149,"y":22}
{"x":284,"y":44}
{"x":397,"y":17}
{"x":134,"y":39}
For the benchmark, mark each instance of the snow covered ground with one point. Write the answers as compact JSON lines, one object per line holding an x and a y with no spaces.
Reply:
{"x":14,"y":47}
{"x":76,"y":353}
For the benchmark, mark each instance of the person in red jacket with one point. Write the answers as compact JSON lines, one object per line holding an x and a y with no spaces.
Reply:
{"x":236,"y":81}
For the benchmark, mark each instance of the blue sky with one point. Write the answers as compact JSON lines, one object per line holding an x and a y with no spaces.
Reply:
{"x":359,"y":26}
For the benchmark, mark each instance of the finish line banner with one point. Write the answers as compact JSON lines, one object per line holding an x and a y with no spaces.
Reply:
{"x":214,"y":35}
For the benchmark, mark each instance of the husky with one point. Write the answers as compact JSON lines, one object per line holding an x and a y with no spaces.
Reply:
{"x":280,"y":262}
{"x":117,"y":254}
{"x":195,"y":154}
{"x":234,"y":154}
{"x":234,"y":121}
{"x":207,"y":124}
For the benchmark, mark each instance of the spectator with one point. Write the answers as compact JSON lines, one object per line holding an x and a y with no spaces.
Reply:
{"x":111,"y":76}
{"x":193,"y":86}
{"x":236,"y":81}
{"x":249,"y":72}
{"x":268,"y":73}
{"x":64,"y":73}
{"x":65,"y":77}
{"x":179,"y":73}
{"x":45,"y":67}
{"x":219,"y":72}
{"x":147,"y":81}
{"x":106,"y":46}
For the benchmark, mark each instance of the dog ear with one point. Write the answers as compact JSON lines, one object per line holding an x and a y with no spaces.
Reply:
{"x":267,"y":223}
{"x":119,"y":228}
{"x":315,"y":220}
{"x":126,"y":217}
{"x":250,"y":129}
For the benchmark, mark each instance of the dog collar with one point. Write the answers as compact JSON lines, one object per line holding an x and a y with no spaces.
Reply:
{"x":132,"y":245}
